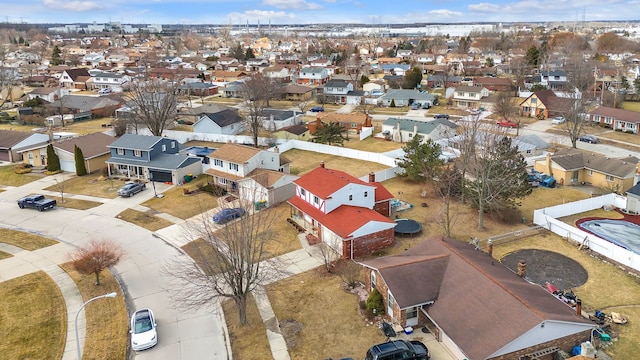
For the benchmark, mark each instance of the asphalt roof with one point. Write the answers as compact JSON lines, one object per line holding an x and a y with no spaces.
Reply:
{"x":423,"y":127}
{"x":135,"y":142}
{"x":161,"y":162}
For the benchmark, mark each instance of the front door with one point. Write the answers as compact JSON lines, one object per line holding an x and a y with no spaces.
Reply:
{"x":390,"y":302}
{"x":412,"y":316}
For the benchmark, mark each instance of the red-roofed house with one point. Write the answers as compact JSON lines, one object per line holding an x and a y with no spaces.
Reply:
{"x":348,"y":214}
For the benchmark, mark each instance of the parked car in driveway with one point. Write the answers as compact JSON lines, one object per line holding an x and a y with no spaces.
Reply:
{"x":415,"y":106}
{"x":589,"y":139}
{"x":317,"y":109}
{"x":399,"y":349}
{"x":558,"y":120}
{"x":507,"y":123}
{"x":426,"y":105}
{"x":143,"y":330}
{"x":131,"y":188}
{"x":226,"y":215}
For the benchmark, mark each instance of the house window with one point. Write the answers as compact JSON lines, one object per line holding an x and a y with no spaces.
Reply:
{"x":589,"y":172}
{"x":120,"y":151}
{"x":609,"y":178}
{"x":350,"y":197}
{"x":366,"y":193}
{"x":164,"y":147}
{"x":303,"y":192}
{"x":574,"y":177}
{"x":173,"y":144}
{"x":316,"y":200}
{"x":412,"y":313}
{"x":233,"y":166}
{"x":528,"y":151}
{"x":534,"y":100}
{"x":222,"y":181}
{"x":373,"y":279}
{"x":218,"y":162}
{"x":137,"y":153}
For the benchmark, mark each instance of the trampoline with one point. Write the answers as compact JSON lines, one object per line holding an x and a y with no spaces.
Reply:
{"x":407,"y":227}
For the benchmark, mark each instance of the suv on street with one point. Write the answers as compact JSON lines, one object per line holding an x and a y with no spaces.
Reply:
{"x":441,"y":116}
{"x":398,"y":349}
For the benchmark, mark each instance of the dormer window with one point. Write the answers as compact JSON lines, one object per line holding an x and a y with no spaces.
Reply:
{"x":316,"y":200}
{"x":164,"y":147}
{"x":366,"y":193}
{"x":350,"y":197}
{"x":303,"y":192}
{"x":120,"y":151}
{"x":137,"y":153}
{"x":173,"y":144}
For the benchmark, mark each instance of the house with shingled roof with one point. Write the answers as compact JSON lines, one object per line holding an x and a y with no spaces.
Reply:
{"x":633,"y":199}
{"x":12,"y":141}
{"x":75,"y":78}
{"x":575,"y":167}
{"x":251,"y":173}
{"x":477,"y":307}
{"x":227,"y":122}
{"x":349,"y":215}
{"x":544,"y":104}
{"x":617,"y":119}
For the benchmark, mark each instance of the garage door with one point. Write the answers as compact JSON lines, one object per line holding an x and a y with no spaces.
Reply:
{"x":68,"y":166}
{"x":4,"y":155}
{"x":160,"y":176}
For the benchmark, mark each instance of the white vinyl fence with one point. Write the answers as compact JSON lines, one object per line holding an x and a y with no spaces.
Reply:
{"x":547,"y":218}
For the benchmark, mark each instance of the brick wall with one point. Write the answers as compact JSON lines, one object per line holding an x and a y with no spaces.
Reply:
{"x":365,"y":245}
{"x":382,"y":208}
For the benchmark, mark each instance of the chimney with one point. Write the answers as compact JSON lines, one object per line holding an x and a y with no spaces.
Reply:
{"x":490,"y":248}
{"x":276,"y":150}
{"x":578,"y":307}
{"x":322,"y":164}
{"x":372,"y":177}
{"x":522,"y":269}
{"x":548,"y":164}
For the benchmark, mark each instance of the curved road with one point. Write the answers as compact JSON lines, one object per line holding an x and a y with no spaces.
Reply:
{"x":182,"y":334}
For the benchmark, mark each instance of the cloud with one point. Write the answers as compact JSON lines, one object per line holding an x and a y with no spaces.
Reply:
{"x":292,"y":4}
{"x":253,"y":15}
{"x":445,"y":13}
{"x":72,"y":5}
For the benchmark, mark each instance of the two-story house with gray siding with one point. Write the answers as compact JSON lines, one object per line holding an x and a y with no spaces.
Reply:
{"x":152,"y":158}
{"x":336,"y":91}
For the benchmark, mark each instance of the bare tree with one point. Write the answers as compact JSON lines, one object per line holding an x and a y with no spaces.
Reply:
{"x":350,"y":272}
{"x":230,"y":262}
{"x":96,"y":256}
{"x":449,"y":188}
{"x":328,"y":255}
{"x":153,"y":104}
{"x":256,"y":92}
{"x":60,"y":185}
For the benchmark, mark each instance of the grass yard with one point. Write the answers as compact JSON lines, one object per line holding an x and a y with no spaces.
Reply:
{"x":372,"y":144}
{"x":144,"y":219}
{"x":9,"y":178}
{"x":284,"y":239}
{"x":91,"y":184}
{"x":183,"y":206}
{"x":107,"y":319}
{"x":305,"y":161}
{"x":25,"y":240}
{"x":324,"y":319}
{"x":631,"y":105}
{"x":77,"y":204}
{"x":4,"y":255}
{"x":34,"y":318}
{"x":85,"y":127}
{"x":608,"y":288}
{"x":247,"y":342}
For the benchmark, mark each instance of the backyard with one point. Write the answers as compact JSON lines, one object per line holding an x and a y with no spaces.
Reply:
{"x":306,"y":161}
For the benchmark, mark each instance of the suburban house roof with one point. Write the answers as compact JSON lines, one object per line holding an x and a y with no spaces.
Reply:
{"x":9,"y":138}
{"x":572,"y":159}
{"x":295,"y":129}
{"x":77,"y":73}
{"x":266,"y":178}
{"x":474,"y":290}
{"x":423,"y":127}
{"x":85,"y":103}
{"x":407,"y":94}
{"x":297,"y":89}
{"x":161,"y":161}
{"x":323,"y":182}
{"x":344,"y":220}
{"x":223,"y":118}
{"x":337,"y":83}
{"x":488,"y":81}
{"x":278,"y":115}
{"x":43,"y":90}
{"x":529,"y":142}
{"x":135,"y":142}
{"x":618,"y":114}
{"x":235,"y":153}
{"x":635,"y":190}
{"x":471,"y":89}
{"x":92,"y":145}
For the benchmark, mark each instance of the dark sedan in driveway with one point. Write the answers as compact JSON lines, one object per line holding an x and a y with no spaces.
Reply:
{"x":226,"y":215}
{"x":589,"y":138}
{"x":130,"y":189}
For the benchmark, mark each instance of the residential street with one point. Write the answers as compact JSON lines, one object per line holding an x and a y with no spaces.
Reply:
{"x":182,"y":334}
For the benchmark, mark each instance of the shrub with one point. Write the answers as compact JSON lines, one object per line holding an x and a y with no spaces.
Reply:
{"x":375,"y":303}
{"x":393,"y":103}
{"x":629,"y":131}
{"x":213,"y":189}
{"x":22,"y":168}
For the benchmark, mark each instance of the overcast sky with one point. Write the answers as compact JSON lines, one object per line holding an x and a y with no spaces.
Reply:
{"x":314,"y":11}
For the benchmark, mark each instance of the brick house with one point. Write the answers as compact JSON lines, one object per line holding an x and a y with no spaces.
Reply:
{"x":493,"y":83}
{"x":353,"y":121}
{"x":349,"y":215}
{"x":617,"y":119}
{"x":477,"y":308}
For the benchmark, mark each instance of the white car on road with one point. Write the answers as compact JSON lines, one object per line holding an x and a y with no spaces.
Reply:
{"x":143,"y":330}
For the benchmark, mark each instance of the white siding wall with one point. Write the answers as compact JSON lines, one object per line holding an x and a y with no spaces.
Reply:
{"x":341,"y":197}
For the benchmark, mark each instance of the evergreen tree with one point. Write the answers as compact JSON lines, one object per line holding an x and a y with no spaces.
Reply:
{"x":249,"y":54}
{"x":53,"y":161}
{"x":329,"y":133}
{"x":56,"y":58}
{"x":413,"y":78}
{"x":81,"y":169}
{"x":364,"y":79}
{"x":421,"y":161}
{"x":533,"y":56}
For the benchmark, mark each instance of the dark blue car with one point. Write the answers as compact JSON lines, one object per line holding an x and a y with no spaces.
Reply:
{"x":317,"y":109}
{"x":226,"y":215}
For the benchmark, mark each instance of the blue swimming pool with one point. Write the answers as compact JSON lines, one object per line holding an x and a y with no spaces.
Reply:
{"x":619,"y":232}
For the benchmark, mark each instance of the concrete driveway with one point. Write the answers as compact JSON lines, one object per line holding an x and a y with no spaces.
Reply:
{"x":181,"y":334}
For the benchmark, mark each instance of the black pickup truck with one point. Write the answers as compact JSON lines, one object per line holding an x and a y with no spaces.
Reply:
{"x":37,"y":202}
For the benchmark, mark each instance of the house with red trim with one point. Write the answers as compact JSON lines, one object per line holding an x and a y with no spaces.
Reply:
{"x":348,"y":214}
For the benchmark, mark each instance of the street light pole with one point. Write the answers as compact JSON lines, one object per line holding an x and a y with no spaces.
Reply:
{"x":109,"y":295}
